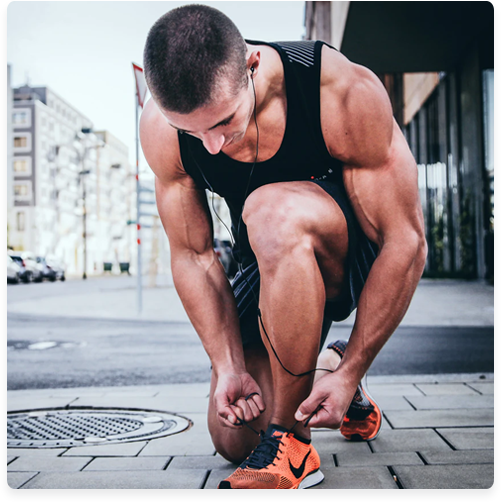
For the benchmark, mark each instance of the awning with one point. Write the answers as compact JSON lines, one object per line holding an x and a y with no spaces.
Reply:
{"x":417,"y":36}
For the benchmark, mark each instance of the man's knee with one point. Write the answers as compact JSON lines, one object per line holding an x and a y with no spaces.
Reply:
{"x":231,"y":450}
{"x":276,"y":223}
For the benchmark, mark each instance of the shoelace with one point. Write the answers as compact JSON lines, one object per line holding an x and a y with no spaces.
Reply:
{"x":265,"y":452}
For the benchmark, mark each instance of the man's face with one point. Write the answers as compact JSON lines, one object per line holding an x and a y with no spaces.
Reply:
{"x":220,"y":124}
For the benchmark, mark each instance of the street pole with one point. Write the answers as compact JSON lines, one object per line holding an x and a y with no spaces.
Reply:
{"x":138,"y":192}
{"x":84,"y":195}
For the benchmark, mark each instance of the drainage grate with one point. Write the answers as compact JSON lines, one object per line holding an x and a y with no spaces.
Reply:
{"x":67,"y":428}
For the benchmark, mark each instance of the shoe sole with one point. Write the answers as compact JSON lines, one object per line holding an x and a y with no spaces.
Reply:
{"x":357,"y":437}
{"x":315,"y":478}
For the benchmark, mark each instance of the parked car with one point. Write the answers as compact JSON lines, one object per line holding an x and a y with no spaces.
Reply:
{"x":52,"y":268}
{"x":31,"y":270}
{"x":24,"y":273}
{"x":13,"y":271}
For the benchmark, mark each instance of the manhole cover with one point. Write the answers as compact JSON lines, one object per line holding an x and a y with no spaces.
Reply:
{"x":67,"y":428}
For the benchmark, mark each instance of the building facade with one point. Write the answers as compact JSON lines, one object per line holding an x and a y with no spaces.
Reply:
{"x":9,"y":185}
{"x":71,"y":186}
{"x":436,"y":60}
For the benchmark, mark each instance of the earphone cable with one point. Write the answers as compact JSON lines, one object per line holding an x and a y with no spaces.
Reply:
{"x":239,"y":264}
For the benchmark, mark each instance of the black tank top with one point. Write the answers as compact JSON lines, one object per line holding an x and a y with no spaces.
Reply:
{"x":302,"y":155}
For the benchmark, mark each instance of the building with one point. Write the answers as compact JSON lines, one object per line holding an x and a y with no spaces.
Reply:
{"x":10,"y":177}
{"x":436,"y":59}
{"x":113,"y":204}
{"x":64,"y":201}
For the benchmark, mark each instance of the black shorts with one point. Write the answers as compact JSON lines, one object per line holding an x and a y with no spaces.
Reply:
{"x":361,"y":255}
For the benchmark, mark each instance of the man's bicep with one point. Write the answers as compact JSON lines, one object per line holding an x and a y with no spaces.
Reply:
{"x":385,"y":198}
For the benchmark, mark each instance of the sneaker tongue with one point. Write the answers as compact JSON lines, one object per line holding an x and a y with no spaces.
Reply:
{"x":275,"y":430}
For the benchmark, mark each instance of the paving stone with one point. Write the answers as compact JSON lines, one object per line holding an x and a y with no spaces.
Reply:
{"x":177,"y":404}
{"x":440,"y":418}
{"x":385,"y":425}
{"x":43,"y":464}
{"x":107,"y":450}
{"x":486,"y":388}
{"x":217,"y":475}
{"x":28,"y":402}
{"x":398,"y":389}
{"x":326,"y":460}
{"x":75,"y":393}
{"x":333,"y":442}
{"x":185,"y":443}
{"x":183,"y":390}
{"x":409,"y":440}
{"x":18,"y":479}
{"x":348,"y":459}
{"x":128,"y":464}
{"x":195,"y":441}
{"x":10,"y":458}
{"x":451,"y":402}
{"x":440,"y":389}
{"x":357,"y":477}
{"x":459,"y":457}
{"x":173,"y":479}
{"x":474,"y":438}
{"x":387,"y":403}
{"x":36,"y":452}
{"x":208,"y":462}
{"x":446,"y":476}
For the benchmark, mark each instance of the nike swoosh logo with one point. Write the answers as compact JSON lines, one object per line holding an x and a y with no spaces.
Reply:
{"x":298,"y":471}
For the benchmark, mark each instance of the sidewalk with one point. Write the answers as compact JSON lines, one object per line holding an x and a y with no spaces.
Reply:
{"x":438,"y":430}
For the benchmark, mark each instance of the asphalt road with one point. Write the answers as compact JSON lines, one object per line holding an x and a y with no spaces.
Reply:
{"x":58,"y":352}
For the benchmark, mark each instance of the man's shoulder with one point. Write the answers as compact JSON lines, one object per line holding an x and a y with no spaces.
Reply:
{"x":159,"y":140}
{"x":338,"y":74}
{"x":354,"y":107}
{"x":153,"y":122}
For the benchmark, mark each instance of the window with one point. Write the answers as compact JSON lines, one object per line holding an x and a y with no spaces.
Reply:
{"x":22,"y":190}
{"x":22,"y":166}
{"x":22,"y":142}
{"x":21,"y":117}
{"x":20,"y":221}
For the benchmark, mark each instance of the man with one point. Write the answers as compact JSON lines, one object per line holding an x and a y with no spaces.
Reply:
{"x":322,"y":191}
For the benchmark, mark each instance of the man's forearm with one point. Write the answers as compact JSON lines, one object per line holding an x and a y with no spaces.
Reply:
{"x":209,"y":302}
{"x":383,"y":303}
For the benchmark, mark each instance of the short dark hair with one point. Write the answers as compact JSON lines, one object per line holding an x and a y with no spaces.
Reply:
{"x":187,"y":51}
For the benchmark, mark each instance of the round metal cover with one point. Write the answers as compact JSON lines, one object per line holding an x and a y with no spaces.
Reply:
{"x":80,"y":427}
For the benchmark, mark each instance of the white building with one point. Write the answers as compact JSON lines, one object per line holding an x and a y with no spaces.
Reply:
{"x":112,"y":205}
{"x":58,"y":171}
{"x":9,"y":187}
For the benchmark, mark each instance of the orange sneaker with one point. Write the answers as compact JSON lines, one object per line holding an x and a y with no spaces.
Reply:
{"x":363,"y":418}
{"x":280,"y":461}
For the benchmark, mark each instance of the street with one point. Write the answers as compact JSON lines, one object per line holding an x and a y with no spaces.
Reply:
{"x":55,"y":350}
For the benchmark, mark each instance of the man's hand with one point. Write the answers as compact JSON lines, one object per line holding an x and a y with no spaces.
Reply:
{"x":237,"y":397}
{"x":328,"y":402}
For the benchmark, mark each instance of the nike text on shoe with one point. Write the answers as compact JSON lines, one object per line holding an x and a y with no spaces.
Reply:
{"x":363,"y":418}
{"x":280,"y":461}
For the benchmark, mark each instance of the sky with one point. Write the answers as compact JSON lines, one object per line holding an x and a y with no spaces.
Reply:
{"x":84,"y":51}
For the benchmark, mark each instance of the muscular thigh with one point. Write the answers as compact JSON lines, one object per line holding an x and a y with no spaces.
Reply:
{"x":300,"y":212}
